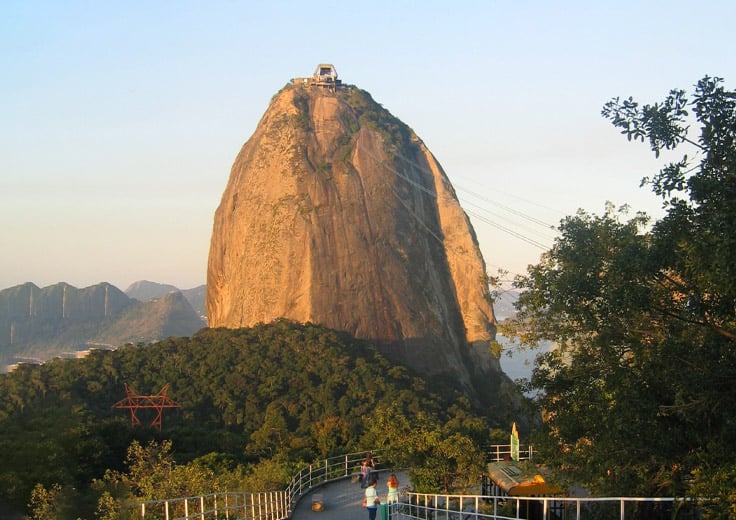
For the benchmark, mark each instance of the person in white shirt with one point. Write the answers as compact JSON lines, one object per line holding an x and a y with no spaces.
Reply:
{"x":371,"y":500}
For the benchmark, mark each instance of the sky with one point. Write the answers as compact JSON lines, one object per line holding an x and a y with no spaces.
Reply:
{"x":120,"y":121}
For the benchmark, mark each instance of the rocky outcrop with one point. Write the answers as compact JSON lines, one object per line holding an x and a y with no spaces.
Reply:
{"x":337,"y":213}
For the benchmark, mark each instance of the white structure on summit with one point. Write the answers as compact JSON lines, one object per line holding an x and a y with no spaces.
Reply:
{"x":324,"y":76}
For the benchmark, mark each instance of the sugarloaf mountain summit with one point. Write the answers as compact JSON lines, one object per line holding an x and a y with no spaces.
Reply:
{"x":336,"y":213}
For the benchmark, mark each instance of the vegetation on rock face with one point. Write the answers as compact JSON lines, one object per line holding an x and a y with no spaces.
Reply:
{"x":639,"y":398}
{"x":256,"y":404}
{"x":374,"y":117}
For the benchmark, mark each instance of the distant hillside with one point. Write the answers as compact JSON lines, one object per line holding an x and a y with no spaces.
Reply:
{"x":37,"y":324}
{"x":144,"y":290}
{"x":503,"y":304}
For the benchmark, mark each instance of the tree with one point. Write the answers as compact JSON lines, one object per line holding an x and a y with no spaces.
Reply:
{"x":442,"y":459}
{"x":638,"y":396}
{"x":698,"y":231}
{"x":43,"y":504}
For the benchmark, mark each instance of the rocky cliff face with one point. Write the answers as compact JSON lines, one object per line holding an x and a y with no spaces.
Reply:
{"x":337,"y":213}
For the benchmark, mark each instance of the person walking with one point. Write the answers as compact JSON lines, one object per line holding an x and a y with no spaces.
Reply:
{"x":371,"y":500}
{"x":366,"y":468}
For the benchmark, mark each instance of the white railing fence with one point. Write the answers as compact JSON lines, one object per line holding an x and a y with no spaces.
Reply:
{"x":499,"y":452}
{"x":236,"y":506}
{"x":334,"y":468}
{"x":475,"y":507}
{"x":275,"y":505}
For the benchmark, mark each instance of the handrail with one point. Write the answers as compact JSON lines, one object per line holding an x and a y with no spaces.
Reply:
{"x":275,"y":505}
{"x":499,"y":452}
{"x":328,"y":470}
{"x":265,"y":506}
{"x":498,"y":507}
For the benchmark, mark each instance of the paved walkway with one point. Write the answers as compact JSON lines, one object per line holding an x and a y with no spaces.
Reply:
{"x":343,"y":499}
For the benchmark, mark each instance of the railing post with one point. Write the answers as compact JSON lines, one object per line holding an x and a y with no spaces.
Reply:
{"x":545,"y":509}
{"x":623,"y":509}
{"x":201,"y":507}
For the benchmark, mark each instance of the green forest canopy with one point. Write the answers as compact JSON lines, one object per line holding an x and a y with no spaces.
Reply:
{"x":260,"y":400}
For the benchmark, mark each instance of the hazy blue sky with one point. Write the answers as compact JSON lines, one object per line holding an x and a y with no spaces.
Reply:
{"x":119,"y":121}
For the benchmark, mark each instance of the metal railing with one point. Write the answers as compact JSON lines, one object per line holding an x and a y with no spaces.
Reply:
{"x":499,"y":452}
{"x":474,"y":507}
{"x":238,"y":506}
{"x":275,"y":505}
{"x":334,"y":468}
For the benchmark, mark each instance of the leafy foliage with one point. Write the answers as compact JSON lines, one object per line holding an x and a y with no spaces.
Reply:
{"x":638,"y":398}
{"x":256,"y":404}
{"x":374,"y":117}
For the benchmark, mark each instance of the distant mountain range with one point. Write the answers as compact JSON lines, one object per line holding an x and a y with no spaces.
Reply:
{"x":37,"y":324}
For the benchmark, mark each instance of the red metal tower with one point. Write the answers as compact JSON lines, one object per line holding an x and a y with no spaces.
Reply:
{"x":157,"y":402}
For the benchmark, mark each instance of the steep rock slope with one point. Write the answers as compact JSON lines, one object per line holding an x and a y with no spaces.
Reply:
{"x":337,"y":213}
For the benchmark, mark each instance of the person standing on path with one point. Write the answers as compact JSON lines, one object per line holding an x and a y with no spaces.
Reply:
{"x":371,"y":500}
{"x":393,"y":489}
{"x":393,"y":492}
{"x":366,"y":468}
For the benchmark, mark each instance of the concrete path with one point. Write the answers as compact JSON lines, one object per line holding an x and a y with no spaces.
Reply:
{"x":343,"y":499}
